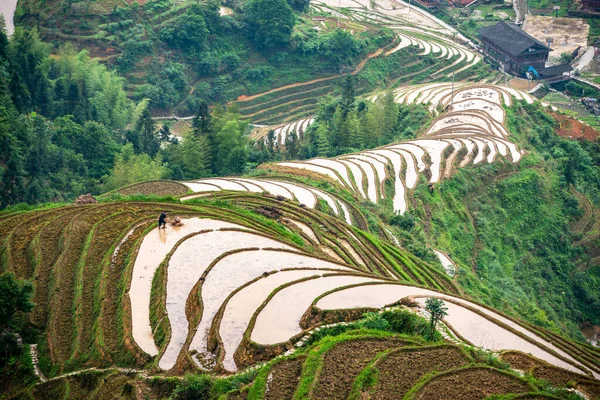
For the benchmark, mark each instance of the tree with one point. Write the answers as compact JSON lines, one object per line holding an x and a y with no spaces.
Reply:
{"x":149,"y":143}
{"x":164,"y":134}
{"x":291,"y":145}
{"x":323,"y":148}
{"x":437,"y":310}
{"x":195,"y":156}
{"x":270,"y":22}
{"x":348,"y":95}
{"x":339,"y":47}
{"x":131,"y":168}
{"x":228,"y":139}
{"x":15,"y":298}
{"x":188,"y":31}
{"x":201,"y":121}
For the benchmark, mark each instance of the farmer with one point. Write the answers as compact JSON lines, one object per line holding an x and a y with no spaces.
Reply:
{"x":162,"y":220}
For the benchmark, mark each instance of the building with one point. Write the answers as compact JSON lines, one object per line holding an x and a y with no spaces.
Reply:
{"x":514,"y":49}
{"x":590,"y":6}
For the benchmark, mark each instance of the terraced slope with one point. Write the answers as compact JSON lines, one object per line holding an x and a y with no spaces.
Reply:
{"x":359,"y":365}
{"x":230,"y":287}
{"x":471,"y":132}
{"x":111,"y":290}
{"x":425,"y":49}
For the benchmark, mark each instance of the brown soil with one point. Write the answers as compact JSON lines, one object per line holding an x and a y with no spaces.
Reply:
{"x":50,"y":390}
{"x":358,"y":68}
{"x":342,"y":363}
{"x":571,"y":128}
{"x":285,"y":377}
{"x":471,"y":384}
{"x":592,"y":389}
{"x":105,"y":237}
{"x":157,"y":188}
{"x":21,"y":260}
{"x":519,"y":361}
{"x":521,"y":84}
{"x":557,"y":376}
{"x":401,"y":370}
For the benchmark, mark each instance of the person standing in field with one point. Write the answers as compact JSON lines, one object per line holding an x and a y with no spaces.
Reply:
{"x":162,"y":220}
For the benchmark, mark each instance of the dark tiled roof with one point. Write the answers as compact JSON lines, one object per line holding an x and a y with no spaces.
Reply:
{"x":556,"y":70}
{"x":510,"y":38}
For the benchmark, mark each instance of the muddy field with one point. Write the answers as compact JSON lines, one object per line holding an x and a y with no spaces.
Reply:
{"x":283,"y":379}
{"x":471,"y":384}
{"x":342,"y":363}
{"x":519,"y":361}
{"x":401,"y":370}
{"x":157,"y":188}
{"x":571,"y":128}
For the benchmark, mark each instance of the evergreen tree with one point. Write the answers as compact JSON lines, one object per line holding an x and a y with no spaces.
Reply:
{"x":291,"y":145}
{"x":164,"y":134}
{"x":149,"y":143}
{"x":196,"y":157}
{"x":323,"y":148}
{"x":348,"y":95}
{"x":228,"y":139}
{"x":202,"y":119}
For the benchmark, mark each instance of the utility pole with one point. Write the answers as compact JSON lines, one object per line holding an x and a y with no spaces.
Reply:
{"x":452,"y":99}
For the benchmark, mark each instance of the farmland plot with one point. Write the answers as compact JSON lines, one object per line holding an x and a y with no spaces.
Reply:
{"x":474,"y":120}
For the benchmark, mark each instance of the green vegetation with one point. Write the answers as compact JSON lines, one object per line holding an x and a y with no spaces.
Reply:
{"x":15,"y":303}
{"x":345,"y":125}
{"x":178,"y":55}
{"x":509,"y":226}
{"x":437,"y":311}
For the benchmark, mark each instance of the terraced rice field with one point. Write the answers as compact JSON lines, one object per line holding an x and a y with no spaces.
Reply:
{"x":472,"y":323}
{"x":361,"y":366}
{"x":112,"y":289}
{"x":472,"y":131}
{"x":231,"y":288}
{"x":419,"y":37}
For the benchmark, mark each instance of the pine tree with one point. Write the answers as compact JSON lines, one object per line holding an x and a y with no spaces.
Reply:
{"x":348,"y":95}
{"x":149,"y":143}
{"x":291,"y":145}
{"x":323,"y":148}
{"x":164,"y":133}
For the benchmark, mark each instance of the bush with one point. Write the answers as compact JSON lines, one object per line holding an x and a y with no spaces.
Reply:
{"x":194,"y":387}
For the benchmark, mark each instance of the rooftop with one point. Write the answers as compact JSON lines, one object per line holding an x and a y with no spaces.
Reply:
{"x":511,"y":38}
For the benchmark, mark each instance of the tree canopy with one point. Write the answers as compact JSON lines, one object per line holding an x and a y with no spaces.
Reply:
{"x":270,"y":22}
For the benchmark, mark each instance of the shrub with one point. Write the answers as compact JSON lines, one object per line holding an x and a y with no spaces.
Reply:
{"x":194,"y":387}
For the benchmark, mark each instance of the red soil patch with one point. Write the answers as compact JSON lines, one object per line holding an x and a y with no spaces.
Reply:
{"x":401,"y":370}
{"x":471,"y":384}
{"x":342,"y":363}
{"x":284,"y":379}
{"x":571,"y":128}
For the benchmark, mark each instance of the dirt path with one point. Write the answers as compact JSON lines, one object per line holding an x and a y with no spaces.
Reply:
{"x":358,"y":68}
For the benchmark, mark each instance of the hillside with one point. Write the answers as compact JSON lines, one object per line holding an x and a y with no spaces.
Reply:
{"x":358,"y":207}
{"x":261,"y":261}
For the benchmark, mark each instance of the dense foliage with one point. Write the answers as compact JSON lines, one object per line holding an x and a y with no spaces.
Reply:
{"x":178,"y":55}
{"x":345,"y":125}
{"x":67,"y":128}
{"x":15,"y":302}
{"x":510,"y":227}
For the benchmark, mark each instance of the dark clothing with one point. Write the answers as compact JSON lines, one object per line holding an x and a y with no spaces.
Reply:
{"x":162,"y":220}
